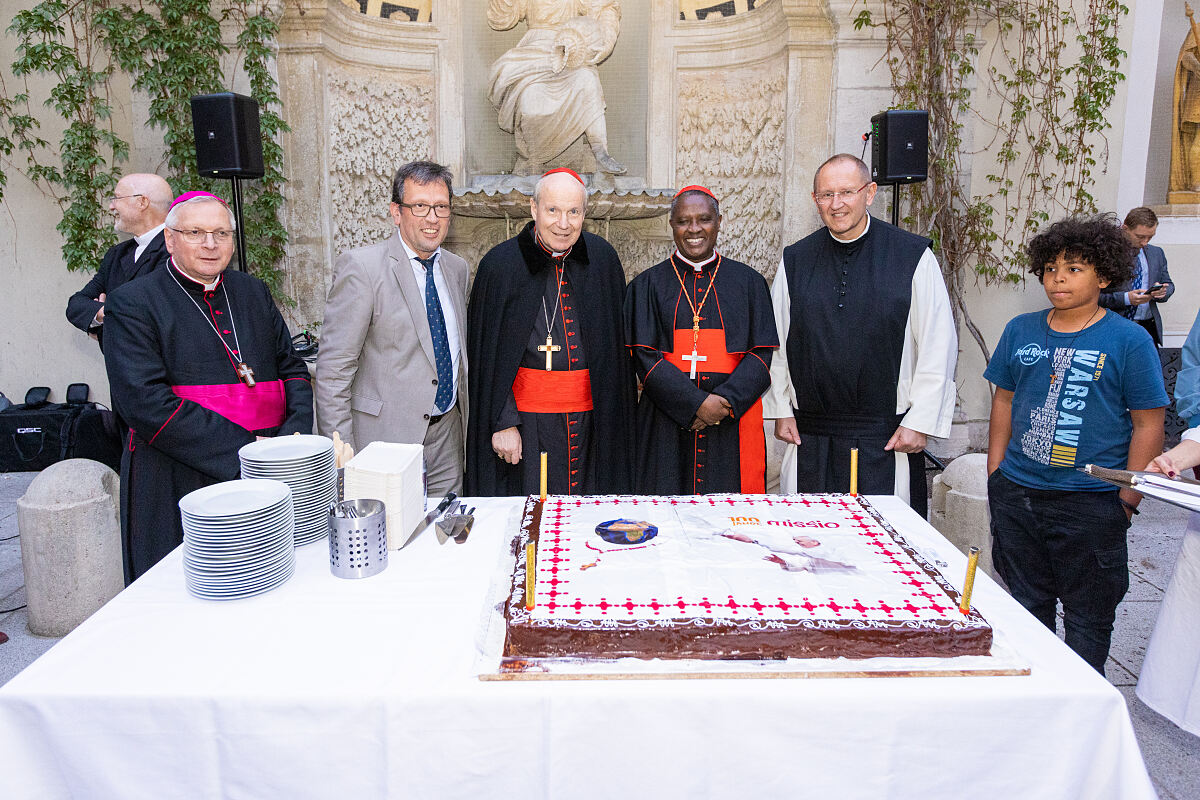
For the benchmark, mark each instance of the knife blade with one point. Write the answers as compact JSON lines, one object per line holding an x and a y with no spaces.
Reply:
{"x":428,"y":519}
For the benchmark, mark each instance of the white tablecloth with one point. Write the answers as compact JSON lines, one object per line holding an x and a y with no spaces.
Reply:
{"x":331,"y":688}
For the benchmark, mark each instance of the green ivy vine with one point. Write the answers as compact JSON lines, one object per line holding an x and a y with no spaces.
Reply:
{"x":169,"y":51}
{"x":1039,"y":113}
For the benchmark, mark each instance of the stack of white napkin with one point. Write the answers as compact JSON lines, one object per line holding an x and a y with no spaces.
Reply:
{"x":392,"y":473}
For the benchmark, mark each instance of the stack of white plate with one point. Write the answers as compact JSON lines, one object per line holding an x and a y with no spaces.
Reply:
{"x":237,"y":538}
{"x":307,"y":465}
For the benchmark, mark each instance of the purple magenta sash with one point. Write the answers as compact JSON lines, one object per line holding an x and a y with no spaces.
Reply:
{"x":254,"y":408}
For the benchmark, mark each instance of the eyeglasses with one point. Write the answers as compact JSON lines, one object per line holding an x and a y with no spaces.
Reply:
{"x":198,"y":236}
{"x":825,"y":198}
{"x":112,"y":198}
{"x":422,"y":209}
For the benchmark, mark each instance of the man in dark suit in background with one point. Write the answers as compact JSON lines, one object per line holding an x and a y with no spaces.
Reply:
{"x":1151,"y":284}
{"x":139,"y":203}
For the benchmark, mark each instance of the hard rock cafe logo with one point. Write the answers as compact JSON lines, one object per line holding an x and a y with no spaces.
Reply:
{"x":1032,"y":353}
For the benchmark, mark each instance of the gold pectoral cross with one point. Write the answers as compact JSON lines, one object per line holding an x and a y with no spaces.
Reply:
{"x":549,"y":348}
{"x":245,"y":373}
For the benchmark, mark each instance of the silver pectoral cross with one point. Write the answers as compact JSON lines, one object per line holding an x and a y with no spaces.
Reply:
{"x":550,"y":348}
{"x":694,"y":358}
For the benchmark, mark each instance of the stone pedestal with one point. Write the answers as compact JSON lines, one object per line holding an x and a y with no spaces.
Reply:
{"x":959,"y":508}
{"x":70,"y":530}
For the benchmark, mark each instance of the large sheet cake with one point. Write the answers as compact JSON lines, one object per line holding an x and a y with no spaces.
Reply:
{"x":730,"y":577}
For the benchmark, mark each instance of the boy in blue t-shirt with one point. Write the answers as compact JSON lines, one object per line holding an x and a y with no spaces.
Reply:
{"x":1075,"y":385}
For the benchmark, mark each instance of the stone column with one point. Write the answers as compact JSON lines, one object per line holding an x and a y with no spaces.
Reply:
{"x":70,"y":530}
{"x":960,"y":508}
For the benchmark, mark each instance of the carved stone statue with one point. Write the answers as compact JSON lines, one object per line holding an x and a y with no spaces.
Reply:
{"x":546,"y":89}
{"x":1184,"y":185}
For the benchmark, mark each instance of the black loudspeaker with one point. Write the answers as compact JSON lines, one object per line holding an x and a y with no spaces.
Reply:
{"x":900,"y":146}
{"x":228,"y":137}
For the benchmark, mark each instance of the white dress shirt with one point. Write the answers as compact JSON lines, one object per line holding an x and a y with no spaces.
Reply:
{"x":144,"y":239}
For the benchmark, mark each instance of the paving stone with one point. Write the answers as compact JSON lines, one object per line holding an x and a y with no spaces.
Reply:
{"x":1131,"y":633}
{"x":1172,"y":754}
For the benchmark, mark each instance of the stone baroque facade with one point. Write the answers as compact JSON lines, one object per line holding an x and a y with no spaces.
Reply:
{"x":730,"y":139}
{"x":375,"y":124}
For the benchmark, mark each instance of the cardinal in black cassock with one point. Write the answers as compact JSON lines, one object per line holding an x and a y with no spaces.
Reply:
{"x":548,"y":366}
{"x":200,"y":363}
{"x":701,"y":330}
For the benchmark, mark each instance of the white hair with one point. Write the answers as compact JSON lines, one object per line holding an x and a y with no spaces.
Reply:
{"x":173,"y":214}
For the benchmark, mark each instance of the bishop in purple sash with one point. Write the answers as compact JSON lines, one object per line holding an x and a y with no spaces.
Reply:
{"x":200,"y":362}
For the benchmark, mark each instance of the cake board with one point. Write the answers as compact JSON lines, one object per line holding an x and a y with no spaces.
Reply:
{"x":491,"y":665}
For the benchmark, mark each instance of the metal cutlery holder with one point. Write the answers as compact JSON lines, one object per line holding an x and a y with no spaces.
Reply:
{"x":357,"y":538}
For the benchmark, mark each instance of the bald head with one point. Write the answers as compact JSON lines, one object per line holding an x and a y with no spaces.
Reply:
{"x":844,"y":159}
{"x":140,"y":203}
{"x":558,"y":206}
{"x":560,"y":183}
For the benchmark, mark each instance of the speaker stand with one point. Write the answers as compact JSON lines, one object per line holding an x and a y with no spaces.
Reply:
{"x":895,"y":205}
{"x":241,"y":228}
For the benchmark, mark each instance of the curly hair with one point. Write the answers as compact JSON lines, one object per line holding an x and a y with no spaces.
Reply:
{"x":1096,"y":240}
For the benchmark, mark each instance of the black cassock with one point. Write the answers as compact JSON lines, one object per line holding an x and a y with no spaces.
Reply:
{"x":116,"y":269}
{"x":517,"y":289}
{"x":159,"y":345}
{"x":737,"y":336}
{"x":849,"y":313}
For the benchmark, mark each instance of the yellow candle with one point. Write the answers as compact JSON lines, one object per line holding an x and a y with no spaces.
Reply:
{"x":544,"y":477}
{"x":530,"y":574}
{"x":854,"y":471}
{"x":964,"y":603}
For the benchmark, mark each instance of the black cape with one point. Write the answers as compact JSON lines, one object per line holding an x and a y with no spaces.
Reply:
{"x":116,"y":269}
{"x":671,"y":458}
{"x":504,"y":307}
{"x":157,"y":338}
{"x":849,"y":313}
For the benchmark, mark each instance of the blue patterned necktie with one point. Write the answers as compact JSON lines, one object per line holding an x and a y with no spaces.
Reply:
{"x":1138,"y":284}
{"x":441,"y":344}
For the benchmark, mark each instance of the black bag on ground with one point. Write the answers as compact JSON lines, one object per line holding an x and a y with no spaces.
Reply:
{"x":38,"y":433}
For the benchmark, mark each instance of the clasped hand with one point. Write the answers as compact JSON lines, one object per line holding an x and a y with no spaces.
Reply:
{"x":714,"y":409}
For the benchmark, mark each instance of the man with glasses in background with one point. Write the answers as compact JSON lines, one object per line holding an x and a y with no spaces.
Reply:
{"x":392,"y":364}
{"x":139,"y":205}
{"x":868,"y":346}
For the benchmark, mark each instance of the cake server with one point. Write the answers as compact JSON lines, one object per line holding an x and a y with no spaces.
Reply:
{"x":461,"y":531}
{"x":445,"y":525}
{"x":429,"y":518}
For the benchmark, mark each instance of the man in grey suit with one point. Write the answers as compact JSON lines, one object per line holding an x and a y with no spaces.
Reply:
{"x":1151,"y":284}
{"x":392,"y":364}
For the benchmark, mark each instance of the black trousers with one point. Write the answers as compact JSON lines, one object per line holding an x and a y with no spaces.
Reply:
{"x":823,"y":458}
{"x":1051,"y":545}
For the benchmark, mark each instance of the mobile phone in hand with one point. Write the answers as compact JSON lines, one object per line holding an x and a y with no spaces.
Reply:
{"x":1156,"y":287}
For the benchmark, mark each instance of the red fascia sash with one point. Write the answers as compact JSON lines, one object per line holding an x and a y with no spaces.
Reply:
{"x":255,"y":408}
{"x":538,"y":391}
{"x":752,"y":440}
{"x":711,"y":343}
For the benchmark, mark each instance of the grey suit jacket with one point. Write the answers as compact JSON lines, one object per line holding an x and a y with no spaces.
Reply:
{"x":376,"y":378}
{"x":1156,"y":261}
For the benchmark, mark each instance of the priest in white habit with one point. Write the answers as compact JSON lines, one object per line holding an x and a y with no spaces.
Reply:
{"x":868,"y":347}
{"x":200,"y":363}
